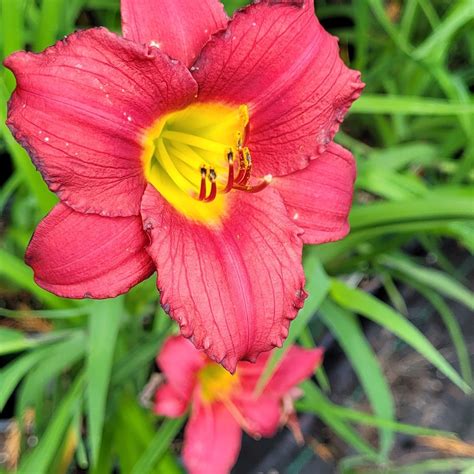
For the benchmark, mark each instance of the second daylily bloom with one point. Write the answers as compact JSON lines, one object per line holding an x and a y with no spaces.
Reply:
{"x":222,"y":405}
{"x":195,"y":145}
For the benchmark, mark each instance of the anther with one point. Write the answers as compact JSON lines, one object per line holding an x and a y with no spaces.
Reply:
{"x":202,"y":192}
{"x":248,"y":167}
{"x":242,"y":167}
{"x":239,"y":141}
{"x":230,"y":178}
{"x":213,"y":193}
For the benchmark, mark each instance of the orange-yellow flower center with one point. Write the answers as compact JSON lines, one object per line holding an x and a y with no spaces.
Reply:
{"x":216,"y":383}
{"x":194,"y":157}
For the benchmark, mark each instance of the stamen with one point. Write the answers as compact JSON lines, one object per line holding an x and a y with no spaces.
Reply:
{"x":202,"y":192}
{"x":242,"y":167}
{"x":213,"y":193}
{"x":195,"y":141}
{"x":239,"y":141}
{"x":248,"y":163}
{"x":230,"y":178}
{"x":257,"y":188}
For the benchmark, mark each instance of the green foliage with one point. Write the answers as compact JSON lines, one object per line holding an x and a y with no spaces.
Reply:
{"x":411,"y":133}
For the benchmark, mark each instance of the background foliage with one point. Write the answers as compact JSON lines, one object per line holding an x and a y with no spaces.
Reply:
{"x":77,"y":367}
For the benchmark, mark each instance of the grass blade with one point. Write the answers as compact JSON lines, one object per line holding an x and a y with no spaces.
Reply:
{"x":41,"y":458}
{"x":13,"y":269}
{"x":159,"y":445}
{"x":428,"y":208}
{"x":315,"y":402}
{"x":346,"y":329}
{"x":408,"y":105}
{"x":54,"y":361}
{"x":104,"y":323}
{"x":373,"y":309}
{"x":434,"y":279}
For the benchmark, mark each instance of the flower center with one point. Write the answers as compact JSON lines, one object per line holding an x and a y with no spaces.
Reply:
{"x":194,"y":157}
{"x":216,"y":383}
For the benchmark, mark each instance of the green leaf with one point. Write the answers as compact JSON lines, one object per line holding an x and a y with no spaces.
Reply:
{"x":452,"y":326}
{"x":232,"y":5}
{"x":432,"y":206}
{"x":387,"y":104}
{"x":42,"y":456}
{"x":346,"y":329}
{"x":104,"y":323}
{"x":438,"y":281}
{"x":46,"y":314}
{"x":15,"y":341}
{"x":55,"y":360}
{"x":127,"y":366}
{"x":12,"y":32}
{"x":370,"y":307}
{"x":355,"y":416}
{"x":360,"y":417}
{"x":11,"y":375}
{"x":330,"y":252}
{"x":317,"y":403}
{"x":14,"y":270}
{"x":158,"y":446}
{"x":461,"y":13}
{"x":48,"y":25}
{"x":317,"y":285}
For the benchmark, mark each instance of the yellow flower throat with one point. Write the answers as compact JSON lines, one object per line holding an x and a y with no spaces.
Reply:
{"x":216,"y":383}
{"x":194,"y":157}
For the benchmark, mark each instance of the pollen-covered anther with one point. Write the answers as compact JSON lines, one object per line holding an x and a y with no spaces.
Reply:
{"x":242,"y":165}
{"x":239,"y":141}
{"x":202,"y":192}
{"x":212,"y":179}
{"x":239,"y":182}
{"x":230,"y":177}
{"x":248,"y":167}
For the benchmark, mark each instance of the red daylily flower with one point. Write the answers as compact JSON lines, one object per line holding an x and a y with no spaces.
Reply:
{"x":195,"y":145}
{"x":222,"y":405}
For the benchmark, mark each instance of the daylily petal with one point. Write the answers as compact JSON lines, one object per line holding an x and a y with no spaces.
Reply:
{"x":80,"y":109}
{"x":296,"y":365}
{"x":170,"y":402}
{"x":277,"y":59}
{"x":233,"y":289}
{"x":319,"y":197}
{"x":88,"y":256}
{"x":180,"y":28}
{"x":211,"y":440}
{"x":180,"y":361}
{"x":262,"y":415}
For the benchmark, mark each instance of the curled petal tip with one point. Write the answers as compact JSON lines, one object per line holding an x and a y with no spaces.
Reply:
{"x":278,"y":342}
{"x":229,"y":364}
{"x":206,"y":344}
{"x":186,"y":331}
